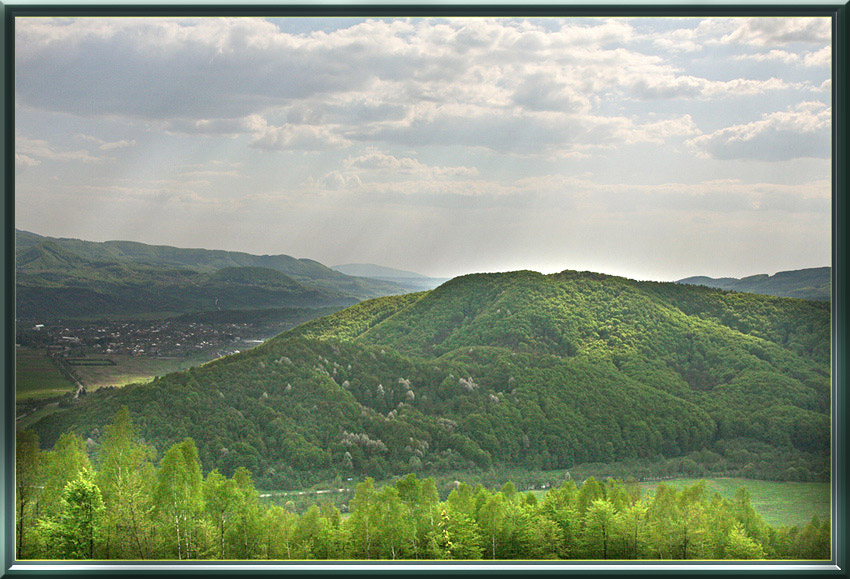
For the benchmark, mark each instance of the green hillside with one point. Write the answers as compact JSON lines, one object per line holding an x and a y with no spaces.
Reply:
{"x":68,"y":278}
{"x":520,"y":370}
{"x":811,"y":284}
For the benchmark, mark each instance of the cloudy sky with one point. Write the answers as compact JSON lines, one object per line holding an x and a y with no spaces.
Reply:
{"x":645,"y":147}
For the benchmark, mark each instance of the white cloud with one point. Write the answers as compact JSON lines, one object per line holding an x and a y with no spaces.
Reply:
{"x":763,"y":31}
{"x":429,"y":125}
{"x":219,"y":127}
{"x":226,"y":77}
{"x":336,"y":181}
{"x":712,"y":199}
{"x":679,"y":40}
{"x":108,"y":145}
{"x":800,"y":131}
{"x":522,"y":133}
{"x":22,"y":161}
{"x":821,"y":58}
{"x":375,"y":161}
{"x":298,"y":137}
{"x":34,"y":149}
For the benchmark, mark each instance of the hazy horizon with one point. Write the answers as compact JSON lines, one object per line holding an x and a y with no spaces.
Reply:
{"x":332,"y":265}
{"x":649,"y":148}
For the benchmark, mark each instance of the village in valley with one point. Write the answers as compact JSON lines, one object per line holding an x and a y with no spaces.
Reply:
{"x":156,"y":339}
{"x":65,"y":360}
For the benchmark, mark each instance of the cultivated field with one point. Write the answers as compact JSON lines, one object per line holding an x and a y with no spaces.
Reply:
{"x":131,"y":369}
{"x":36,"y":376}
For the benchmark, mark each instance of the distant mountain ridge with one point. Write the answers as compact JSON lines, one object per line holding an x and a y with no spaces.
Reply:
{"x":60,"y":277}
{"x":372,"y":270}
{"x":811,"y":283}
{"x":410,"y":280}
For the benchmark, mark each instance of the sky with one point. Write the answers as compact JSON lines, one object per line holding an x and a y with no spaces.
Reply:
{"x":652,"y":148}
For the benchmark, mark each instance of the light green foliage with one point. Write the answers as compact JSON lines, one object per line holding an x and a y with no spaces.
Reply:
{"x":214,"y":517}
{"x":629,"y":532}
{"x":278,"y":526}
{"x":458,"y":537}
{"x":559,"y":505}
{"x":491,"y":517}
{"x":741,"y":546}
{"x":76,"y":530}
{"x":221,"y":500}
{"x":396,"y":534}
{"x":420,"y":499}
{"x":28,"y":479}
{"x":363,"y":520}
{"x":245,"y":533}
{"x":599,"y":527}
{"x":178,"y":497}
{"x":126,"y":478}
{"x":192,"y":516}
{"x":61,"y":465}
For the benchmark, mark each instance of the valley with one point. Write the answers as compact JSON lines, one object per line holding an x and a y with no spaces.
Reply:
{"x":521,"y":370}
{"x":544,"y":384}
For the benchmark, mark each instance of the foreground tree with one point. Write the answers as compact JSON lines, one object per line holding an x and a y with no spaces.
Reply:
{"x":178,"y":497}
{"x":599,"y":523}
{"x":61,"y":465}
{"x":362,"y":521}
{"x":245,"y":529}
{"x":28,"y":479}
{"x":221,"y":498}
{"x":126,"y":478}
{"x":74,"y":534}
{"x":457,"y":537}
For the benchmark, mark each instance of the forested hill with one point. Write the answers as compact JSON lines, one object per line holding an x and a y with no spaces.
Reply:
{"x":57,"y":277}
{"x":515,"y":369}
{"x":811,"y":284}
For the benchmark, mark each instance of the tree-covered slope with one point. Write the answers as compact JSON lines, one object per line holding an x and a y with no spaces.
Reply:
{"x":56,"y":283}
{"x":74,"y":278}
{"x":517,"y":369}
{"x":811,"y":284}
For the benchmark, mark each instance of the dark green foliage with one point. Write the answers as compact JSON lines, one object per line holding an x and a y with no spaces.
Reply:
{"x":67,"y":278}
{"x":506,"y":370}
{"x":810,"y":284}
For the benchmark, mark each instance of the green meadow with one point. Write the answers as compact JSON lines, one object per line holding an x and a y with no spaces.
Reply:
{"x":36,"y":376}
{"x":132,"y":369}
{"x":779,"y":503}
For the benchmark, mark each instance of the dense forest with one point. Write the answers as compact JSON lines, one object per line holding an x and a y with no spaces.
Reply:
{"x":814,"y":283}
{"x":518,"y":370}
{"x":59,"y":278}
{"x":118,"y":500}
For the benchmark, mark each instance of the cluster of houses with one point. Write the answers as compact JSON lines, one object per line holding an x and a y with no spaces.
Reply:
{"x":163,"y":339}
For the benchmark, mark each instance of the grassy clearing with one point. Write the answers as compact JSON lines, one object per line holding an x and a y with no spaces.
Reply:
{"x":131,"y":370}
{"x":779,"y":503}
{"x":36,"y":376}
